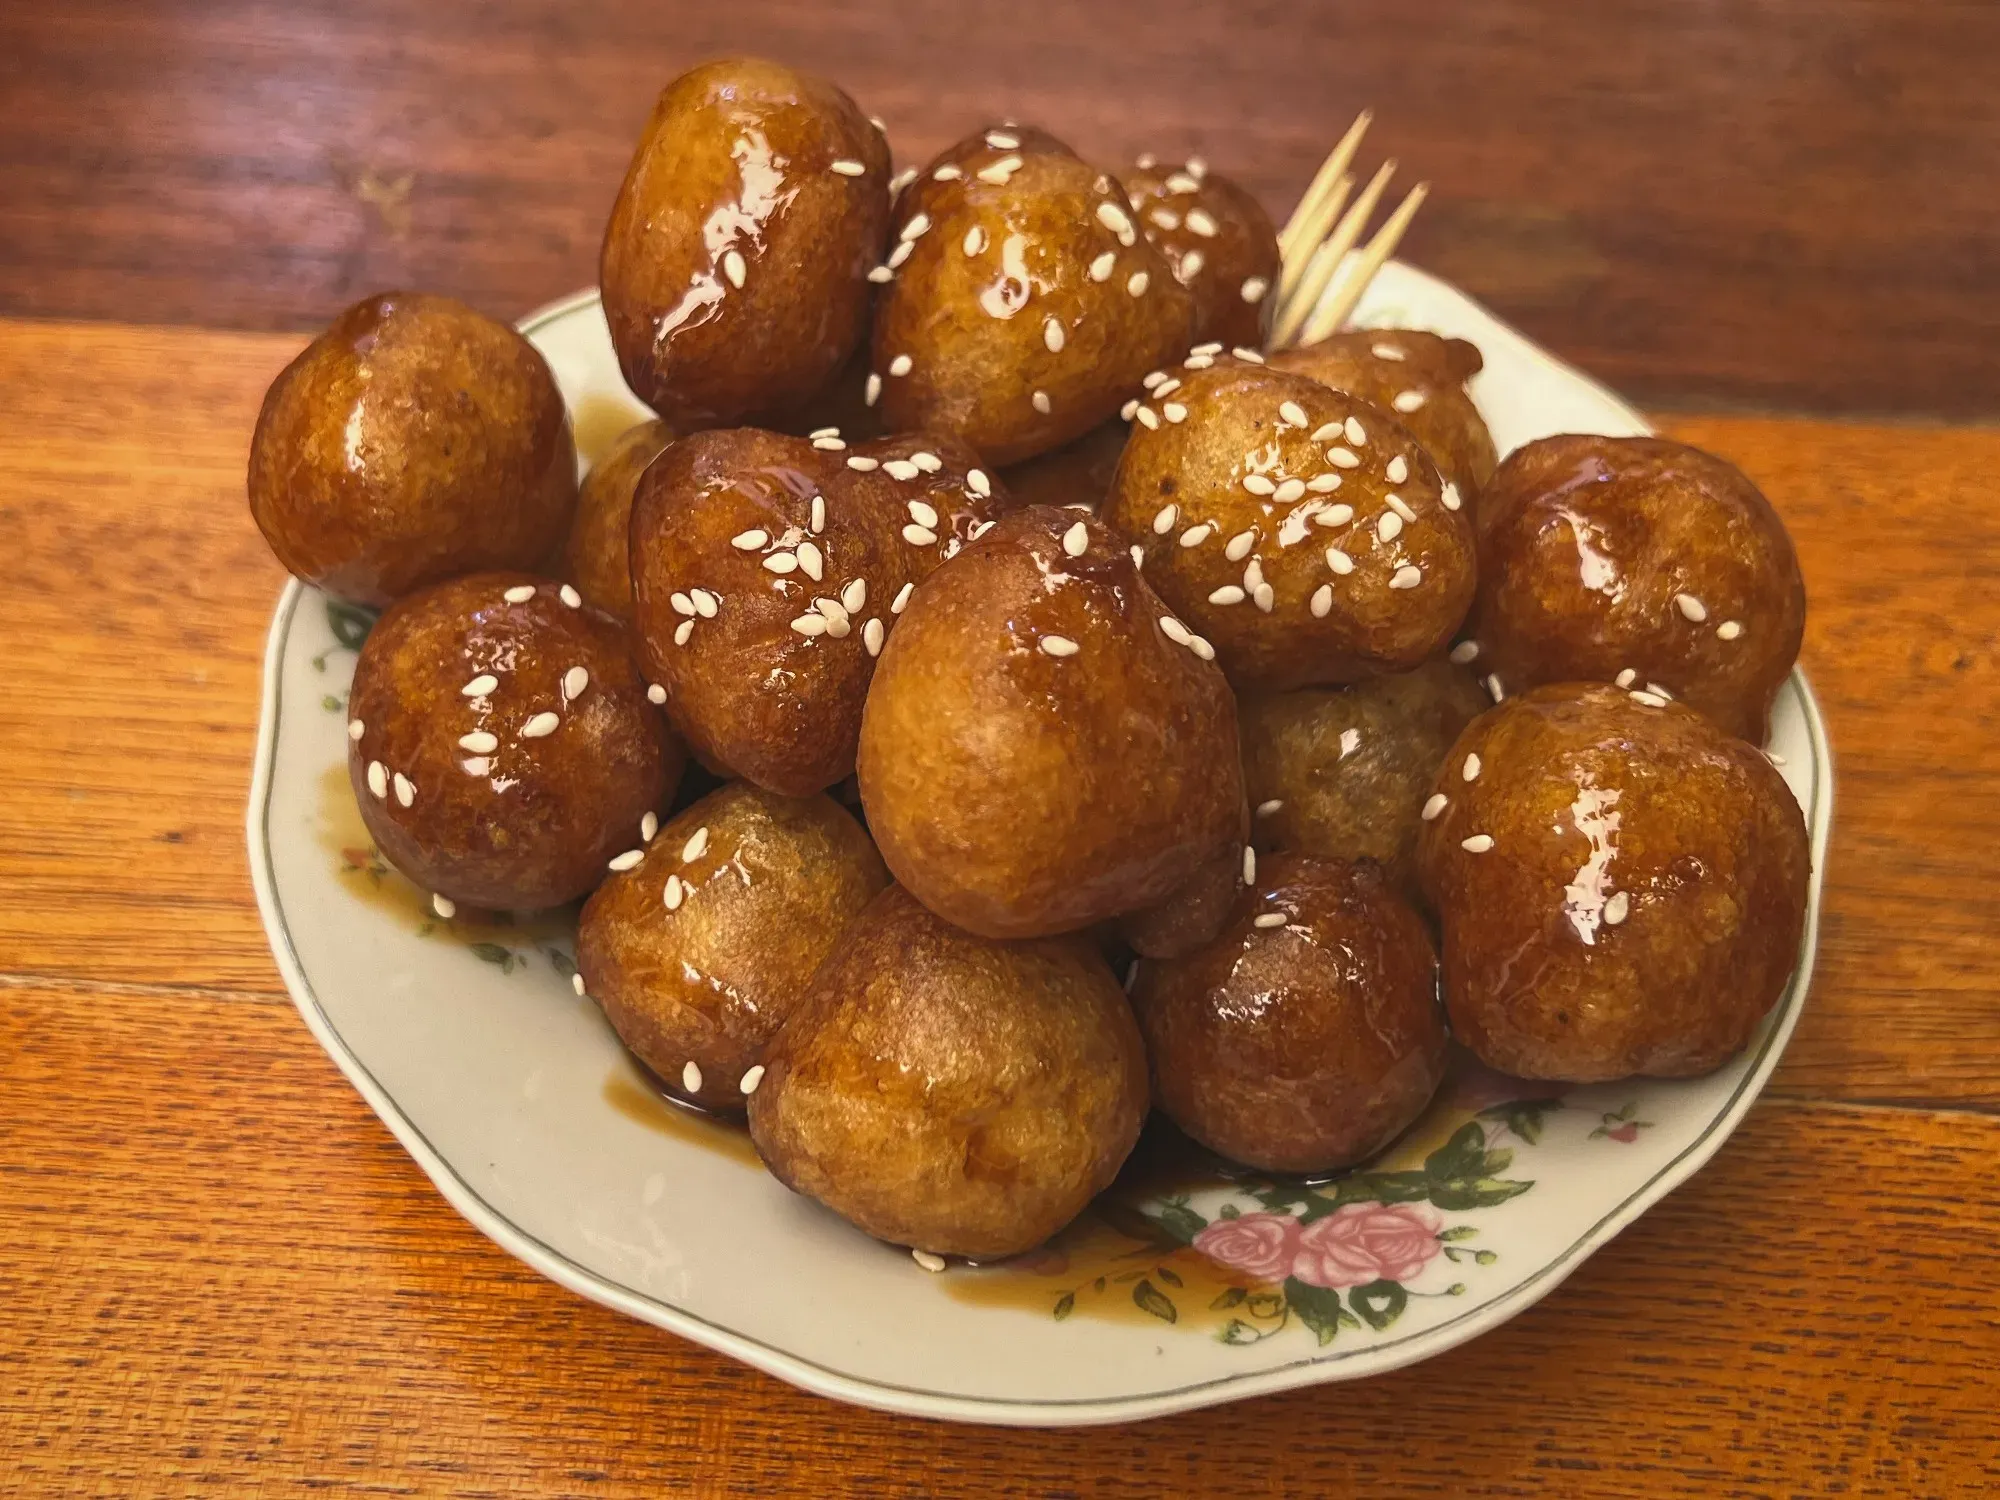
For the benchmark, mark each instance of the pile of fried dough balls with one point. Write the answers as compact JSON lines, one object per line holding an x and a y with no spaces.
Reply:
{"x":972,"y":502}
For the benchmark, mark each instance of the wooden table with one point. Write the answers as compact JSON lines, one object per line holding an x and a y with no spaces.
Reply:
{"x":219,"y":1272}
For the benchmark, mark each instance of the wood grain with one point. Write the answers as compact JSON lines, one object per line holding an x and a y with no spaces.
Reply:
{"x":1784,"y":203}
{"x":222,"y":1272}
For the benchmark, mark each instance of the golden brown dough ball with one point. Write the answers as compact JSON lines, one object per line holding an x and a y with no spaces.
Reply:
{"x":415,"y":440}
{"x":1308,"y":1035}
{"x":500,"y":742}
{"x":735,"y":261}
{"x":1343,"y":772}
{"x":1220,"y":242}
{"x":699,"y":949}
{"x":597,"y":557}
{"x":1421,"y":378}
{"x":1022,"y":305}
{"x":1077,"y":473}
{"x":1622,"y":886}
{"x":957,"y":1095}
{"x":1045,"y":745}
{"x":1640,"y":562}
{"x":1301,"y":530}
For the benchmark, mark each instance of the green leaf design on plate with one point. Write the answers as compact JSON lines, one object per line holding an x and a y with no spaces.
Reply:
{"x":1231,"y":1297}
{"x":349,"y":623}
{"x":1180,"y":1221}
{"x":1165,"y":1273}
{"x":1065,"y":1304}
{"x":1524,"y":1116}
{"x":1238,"y":1332}
{"x":493,"y":953}
{"x":561,"y":962}
{"x":1154,"y":1301}
{"x":1379,"y":1302}
{"x":1318,"y":1308}
{"x":1464,"y":1155}
{"x":1482,"y":1192}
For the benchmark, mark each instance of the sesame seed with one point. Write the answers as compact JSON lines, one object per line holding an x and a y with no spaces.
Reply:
{"x":1339,"y":561}
{"x":977,"y":482}
{"x":681,"y":633}
{"x":1729,"y":630}
{"x":854,"y":596}
{"x":1201,"y":222}
{"x":1138,"y":555}
{"x":863,"y":465}
{"x":1774,"y":757}
{"x":1180,"y":182}
{"x":479,"y":742}
{"x":816,"y":515}
{"x":1270,"y":919}
{"x":1115,"y":219}
{"x":846,"y":167}
{"x":1076,"y":540}
{"x":810,"y":625}
{"x":576,"y":983}
{"x":1494,"y":688}
{"x":1174,"y":631}
{"x":872,"y":392}
{"x":575,"y":680}
{"x":1173,"y":411}
{"x":1001,"y":141}
{"x":1326,"y":432}
{"x":656,"y":694}
{"x":1617,"y":908}
{"x":1342,"y":458}
{"x":1626,"y":678}
{"x":648,"y":826}
{"x":1257,"y":484}
{"x":1052,"y":334}
{"x":916,"y":225}
{"x":923,"y":514}
{"x":749,"y":541}
{"x":829,"y":444}
{"x":1464,"y":652}
{"x":1408,"y":401}
{"x":1249,"y":865}
{"x":1197,"y":362}
{"x":1398,"y":470}
{"x":447,"y":908}
{"x":1040,"y":401}
{"x":901,"y":253}
{"x":1389,"y":527}
{"x":627,"y":860}
{"x":902,"y":180}
{"x":1651,"y":700}
{"x":1165,"y":217}
{"x":781,"y":563}
{"x":1323,"y":484}
{"x":1289,"y":490}
{"x":732,"y":267}
{"x":1433,"y":805}
{"x":902,"y":598}
{"x":999,"y":171}
{"x":1201,"y":648}
{"x":1293,"y":414}
{"x":541,"y":726}
{"x":1407,"y":576}
{"x":406,"y":791}
{"x":1194,"y":536}
{"x":1229,"y":593}
{"x":355,"y":729}
{"x":979,"y":530}
{"x":871,"y":637}
{"x":1356,"y":433}
{"x":947,"y":173}
{"x":1387,"y":351}
{"x":1137,"y":283}
{"x":1129,"y":410}
{"x":682,"y":603}
{"x":927,"y":1260}
{"x":836,"y":615}
{"x":747,"y":1085}
{"x":1240,"y":545}
{"x":1691,"y":607}
{"x":1254,"y":288}
{"x":704,"y":601}
{"x":1191,"y":265}
{"x":697,"y":844}
{"x":1163,"y":522}
{"x":881,"y":275}
{"x":1101,"y":268}
{"x":1470,"y":770}
{"x":1322,"y":601}
{"x":691,"y":1077}
{"x":1334,"y":515}
{"x":810,"y":563}
{"x":1479,"y":843}
{"x":1147,"y":419}
{"x":1264,"y":597}
{"x":1265,"y":809}
{"x":1197,"y":168}
{"x":1249,"y":356}
{"x":900,"y":468}
{"x":918,"y":536}
{"x":1059,"y":645}
{"x":674,"y":893}
{"x":521,"y":593}
{"x":1451,"y":500}
{"x":570,"y":597}
{"x":479,"y":687}
{"x":1400,"y":506}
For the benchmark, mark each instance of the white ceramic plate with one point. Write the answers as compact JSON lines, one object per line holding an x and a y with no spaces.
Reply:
{"x":514,"y":1096}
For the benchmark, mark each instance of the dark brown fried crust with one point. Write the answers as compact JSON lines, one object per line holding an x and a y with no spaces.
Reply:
{"x":596,"y":556}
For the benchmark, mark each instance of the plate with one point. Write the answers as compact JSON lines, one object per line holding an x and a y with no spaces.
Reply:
{"x":516,"y":1099}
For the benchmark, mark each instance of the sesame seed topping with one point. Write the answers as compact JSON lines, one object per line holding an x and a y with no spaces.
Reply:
{"x":1400,"y":506}
{"x":1257,"y":484}
{"x":1408,"y":401}
{"x":575,"y":680}
{"x":747,"y":1085}
{"x":1201,"y":648}
{"x":704,"y":601}
{"x":902,"y":598}
{"x":1165,"y":217}
{"x":1407,"y":576}
{"x":521,"y":593}
{"x":1323,"y":484}
{"x":1334,"y":515}
{"x":1774,"y":757}
{"x":1691,"y":607}
{"x":1194,"y":536}
{"x":927,"y":1260}
{"x":1138,"y":555}
{"x":1240,"y":545}
{"x":355,"y":729}
{"x":829,"y":444}
{"x":947,"y":173}
{"x":1326,"y":432}
{"x":479,"y":742}
{"x":691,"y":1077}
{"x":863,"y":465}
{"x":1059,"y":645}
{"x":1076,"y":540}
{"x":979,"y":530}
{"x":1052,"y":334}
{"x":810,"y":625}
{"x":1464,"y":652}
{"x":1470,"y":770}
{"x":999,"y":171}
{"x":1398,"y":470}
{"x":781,"y":563}
{"x":872,"y":392}
{"x":1115,"y":219}
{"x":674,"y":893}
{"x":918,"y":536}
{"x":1201,"y":222}
{"x":846,"y":167}
{"x":1451,"y":500}
{"x":570,"y":597}
{"x":1249,"y":865}
{"x":1180,"y":182}
{"x":1729,"y":630}
{"x":1494,"y":687}
{"x":977,"y":482}
{"x":916,"y":225}
{"x":1342,"y":458}
{"x":1173,"y":411}
{"x":1435,"y":804}
{"x":1264,"y":597}
{"x":902,"y":180}
{"x":1040,"y":401}
{"x":1389,"y":527}
{"x":1190,"y":265}
{"x":1129,"y":410}
{"x":447,"y":908}
{"x":681,"y":633}
{"x":1479,"y":843}
{"x":648,"y":826}
{"x":1270,"y":919}
{"x":881,"y":274}
{"x":406,"y":791}
{"x":1147,"y":418}
{"x":1229,"y":593}
{"x":655,"y":693}
{"x":1356,"y":433}
{"x":1101,"y":268}
{"x":854,"y":596}
{"x":1163,"y":522}
{"x":1293,"y":414}
{"x":900,"y":468}
{"x":1322,"y":601}
{"x":540,"y":726}
{"x":1651,"y":700}
{"x":1289,"y":490}
{"x":479,"y":687}
{"x":1626,"y":678}
{"x":1387,"y":351}
{"x":627,"y":860}
{"x":1254,"y":288}
{"x":749,"y":541}
{"x":1339,"y":561}
{"x":682,"y":603}
{"x":576,"y":983}
{"x":1617,"y":908}
{"x":732,"y":267}
{"x":1198,"y":362}
{"x":923,"y":514}
{"x":810,"y":563}
{"x":901,"y":253}
{"x":999,"y":140}
{"x":1137,"y":283}
{"x":697,"y":844}
{"x":1265,"y":809}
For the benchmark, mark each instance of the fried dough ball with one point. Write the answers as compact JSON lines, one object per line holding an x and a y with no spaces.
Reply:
{"x":1077,"y":473}
{"x":1045,"y":746}
{"x":1220,"y":242}
{"x":953,"y":1094}
{"x":1195,"y":911}
{"x":1024,"y":304}
{"x":735,"y":262}
{"x":1421,"y":378}
{"x":700,"y":949}
{"x":415,"y":440}
{"x":1301,"y":530}
{"x":1343,"y":772}
{"x":1308,"y":1035}
{"x":1622,"y":886}
{"x":767,"y":573}
{"x":1641,"y":562}
{"x":500,"y":742}
{"x":596,"y":557}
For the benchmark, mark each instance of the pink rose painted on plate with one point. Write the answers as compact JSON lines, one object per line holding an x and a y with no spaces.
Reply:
{"x":1261,"y":1246}
{"x":1364,"y":1242}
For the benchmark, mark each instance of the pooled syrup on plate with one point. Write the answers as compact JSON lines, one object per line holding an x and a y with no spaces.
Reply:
{"x":631,"y":1089}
